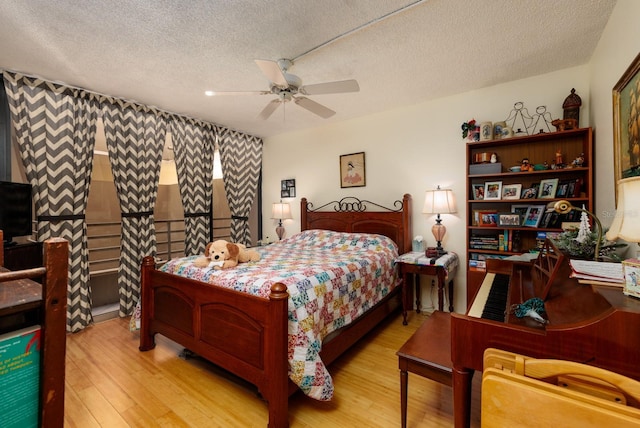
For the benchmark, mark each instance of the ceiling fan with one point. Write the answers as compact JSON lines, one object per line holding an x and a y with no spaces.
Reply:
{"x":288,"y":87}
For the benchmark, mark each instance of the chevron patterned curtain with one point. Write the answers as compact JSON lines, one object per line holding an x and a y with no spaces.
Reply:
{"x":193,"y":144}
{"x":241,"y":159}
{"x":55,"y":127}
{"x":135,"y":137}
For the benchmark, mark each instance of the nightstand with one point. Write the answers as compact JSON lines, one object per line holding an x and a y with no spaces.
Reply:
{"x":413,"y":264}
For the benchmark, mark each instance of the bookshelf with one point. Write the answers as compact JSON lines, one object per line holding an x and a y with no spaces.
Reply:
{"x":495,"y":192}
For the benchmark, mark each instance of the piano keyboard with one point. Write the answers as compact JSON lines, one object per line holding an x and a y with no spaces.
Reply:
{"x":491,"y":299}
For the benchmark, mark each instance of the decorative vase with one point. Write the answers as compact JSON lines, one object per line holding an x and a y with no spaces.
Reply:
{"x":486,"y":131}
{"x":474,"y":135}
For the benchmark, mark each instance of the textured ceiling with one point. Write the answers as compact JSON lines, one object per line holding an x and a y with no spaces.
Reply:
{"x":167,"y":53}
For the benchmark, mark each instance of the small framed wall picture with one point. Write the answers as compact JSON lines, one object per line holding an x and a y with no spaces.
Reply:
{"x":478,"y":191}
{"x":352,"y":170}
{"x":534,"y":215}
{"x":548,"y":188}
{"x":288,"y":188}
{"x":492,"y":190}
{"x":511,"y":191}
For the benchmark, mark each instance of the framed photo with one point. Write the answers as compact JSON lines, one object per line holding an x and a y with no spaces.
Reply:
{"x":626,"y":102}
{"x":533,"y":215}
{"x":492,"y":190}
{"x":288,"y":188}
{"x":511,"y":191}
{"x":530,"y":192}
{"x":563,"y":190}
{"x":352,"y":170}
{"x":548,"y":188}
{"x":509,"y":219}
{"x":478,"y":191}
{"x":488,"y":218}
{"x":521,"y":210}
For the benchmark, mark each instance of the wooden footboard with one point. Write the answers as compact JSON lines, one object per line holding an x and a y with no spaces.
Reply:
{"x":244,"y":334}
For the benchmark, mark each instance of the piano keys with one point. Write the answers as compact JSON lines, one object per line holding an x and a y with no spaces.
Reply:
{"x":491,"y":300}
{"x":589,"y":324}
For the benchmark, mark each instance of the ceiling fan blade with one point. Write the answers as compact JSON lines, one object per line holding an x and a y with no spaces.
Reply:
{"x":272,"y":70}
{"x":314,"y":107}
{"x":338,"y":87}
{"x":269,"y":109}
{"x":218,"y":93}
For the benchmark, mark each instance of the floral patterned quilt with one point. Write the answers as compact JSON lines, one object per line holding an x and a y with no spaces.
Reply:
{"x":332,"y":278}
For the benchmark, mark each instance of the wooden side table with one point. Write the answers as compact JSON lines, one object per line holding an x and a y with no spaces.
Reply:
{"x":412,"y":265}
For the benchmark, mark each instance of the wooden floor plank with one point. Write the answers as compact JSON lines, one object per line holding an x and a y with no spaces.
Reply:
{"x":110,"y":383}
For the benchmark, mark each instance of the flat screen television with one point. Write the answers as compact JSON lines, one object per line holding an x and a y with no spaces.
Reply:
{"x":16,"y":210}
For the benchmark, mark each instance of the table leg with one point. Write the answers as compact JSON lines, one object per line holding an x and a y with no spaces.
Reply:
{"x":404,"y":378}
{"x":451,"y":295}
{"x":416,"y":279}
{"x":405,"y":296}
{"x":440,"y":275}
{"x":462,"y":397}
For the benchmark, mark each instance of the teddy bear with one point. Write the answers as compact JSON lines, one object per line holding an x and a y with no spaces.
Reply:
{"x":222,"y":254}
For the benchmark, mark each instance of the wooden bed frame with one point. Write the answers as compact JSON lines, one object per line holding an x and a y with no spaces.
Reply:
{"x":247,"y":335}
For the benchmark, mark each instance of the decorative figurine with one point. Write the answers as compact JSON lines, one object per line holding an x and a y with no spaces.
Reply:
{"x":558,"y":158}
{"x":526,"y":166}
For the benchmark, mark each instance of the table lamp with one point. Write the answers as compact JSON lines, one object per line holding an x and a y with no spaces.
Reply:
{"x":439,"y":201}
{"x":626,"y":223}
{"x":280,"y":211}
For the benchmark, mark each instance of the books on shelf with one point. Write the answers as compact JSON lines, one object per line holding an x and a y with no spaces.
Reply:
{"x":20,"y":377}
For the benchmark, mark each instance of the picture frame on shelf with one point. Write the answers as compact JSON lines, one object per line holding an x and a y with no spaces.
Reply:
{"x":478,"y":191}
{"x":626,"y":90}
{"x":509,"y":220}
{"x":492,"y":190}
{"x":530,"y":192}
{"x":548,"y":188}
{"x":488,"y":219}
{"x":563,"y":190}
{"x":511,"y":191}
{"x":521,"y":210}
{"x":533,"y":215}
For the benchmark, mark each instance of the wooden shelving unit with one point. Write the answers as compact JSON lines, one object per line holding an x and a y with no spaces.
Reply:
{"x":510,"y":152}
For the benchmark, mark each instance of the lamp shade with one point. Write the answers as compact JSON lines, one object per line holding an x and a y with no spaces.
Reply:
{"x":280,"y":211}
{"x":626,"y":223}
{"x":439,"y":201}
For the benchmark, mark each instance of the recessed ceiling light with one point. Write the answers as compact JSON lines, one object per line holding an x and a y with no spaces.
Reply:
{"x":209,"y":93}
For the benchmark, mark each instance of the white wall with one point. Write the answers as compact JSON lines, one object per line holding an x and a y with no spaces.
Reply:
{"x":618,"y":46}
{"x":408,"y":150}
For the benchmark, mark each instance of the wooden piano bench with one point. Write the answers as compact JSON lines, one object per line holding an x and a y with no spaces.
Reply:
{"x":427,"y":353}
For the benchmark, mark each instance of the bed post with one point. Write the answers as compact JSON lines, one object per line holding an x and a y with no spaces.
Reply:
{"x":276,"y":357}
{"x":303,"y":214}
{"x":406,"y":220}
{"x":146,"y":301}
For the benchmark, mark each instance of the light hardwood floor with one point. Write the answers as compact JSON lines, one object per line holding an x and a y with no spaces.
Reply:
{"x":109,"y":383}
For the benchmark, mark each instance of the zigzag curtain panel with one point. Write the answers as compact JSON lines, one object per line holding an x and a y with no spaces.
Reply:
{"x":193,"y":144}
{"x":135,"y":136}
{"x":55,"y":128}
{"x":241,"y":159}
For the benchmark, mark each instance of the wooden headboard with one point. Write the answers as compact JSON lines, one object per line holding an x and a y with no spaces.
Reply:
{"x":351,"y":214}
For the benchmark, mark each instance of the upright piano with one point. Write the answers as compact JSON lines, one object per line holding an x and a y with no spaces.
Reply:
{"x":590,"y":324}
